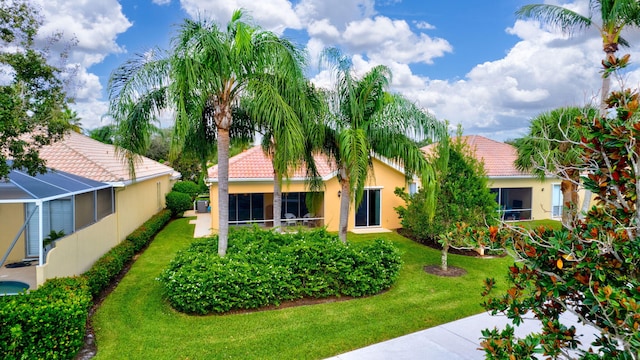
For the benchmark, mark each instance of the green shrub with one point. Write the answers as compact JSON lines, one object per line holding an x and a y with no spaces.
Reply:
{"x":108,"y":266}
{"x":48,"y":323}
{"x":187,"y":187}
{"x":265,"y":268}
{"x":141,"y":236}
{"x":178,"y":202}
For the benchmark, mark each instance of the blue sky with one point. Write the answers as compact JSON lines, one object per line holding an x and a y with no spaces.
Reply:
{"x":467,"y":61}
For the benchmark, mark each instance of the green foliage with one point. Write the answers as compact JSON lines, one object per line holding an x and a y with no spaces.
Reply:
{"x":33,"y":96}
{"x":178,"y":202}
{"x":265,"y":268}
{"x":590,"y":267}
{"x":108,"y":266}
{"x":141,"y":236}
{"x":48,"y":323}
{"x":105,"y":134}
{"x":462,"y":194}
{"x":187,"y":187}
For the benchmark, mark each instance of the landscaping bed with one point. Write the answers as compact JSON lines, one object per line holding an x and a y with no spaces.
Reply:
{"x":265,"y":268}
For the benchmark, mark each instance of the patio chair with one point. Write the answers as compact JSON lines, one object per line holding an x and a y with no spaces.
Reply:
{"x":290,"y":219}
{"x":306,"y":221}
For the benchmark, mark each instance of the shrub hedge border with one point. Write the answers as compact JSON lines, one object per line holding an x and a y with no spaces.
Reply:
{"x":50,"y":322}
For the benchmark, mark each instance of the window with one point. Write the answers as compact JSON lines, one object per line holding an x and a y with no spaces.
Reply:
{"x":159,"y":195}
{"x":246,"y":207}
{"x":368,"y":213}
{"x":294,"y":203}
{"x":413,"y":188}
{"x":556,"y":201}
{"x":515,"y":203}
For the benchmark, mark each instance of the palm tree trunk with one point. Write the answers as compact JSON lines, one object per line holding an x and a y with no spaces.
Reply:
{"x":223,"y":190}
{"x":277,"y":201}
{"x":570,"y":197}
{"x":345,"y":202}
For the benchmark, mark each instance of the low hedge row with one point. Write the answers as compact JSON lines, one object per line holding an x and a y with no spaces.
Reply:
{"x":265,"y":268}
{"x":49,"y":323}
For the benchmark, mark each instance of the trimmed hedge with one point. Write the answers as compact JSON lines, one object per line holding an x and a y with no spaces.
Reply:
{"x":265,"y":268}
{"x":187,"y":187}
{"x":178,"y":202}
{"x":48,"y":323}
{"x":110,"y":264}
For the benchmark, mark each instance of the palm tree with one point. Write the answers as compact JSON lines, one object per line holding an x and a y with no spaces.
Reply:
{"x":71,"y":117}
{"x":615,"y":16}
{"x":551,"y":145}
{"x":203,"y":78}
{"x":366,"y":121}
{"x":291,"y":143}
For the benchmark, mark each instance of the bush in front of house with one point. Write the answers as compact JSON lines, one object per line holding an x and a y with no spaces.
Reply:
{"x":48,"y":323}
{"x":141,"y":236}
{"x":99,"y":276}
{"x":178,"y":202}
{"x":187,"y":187}
{"x":266,"y":268}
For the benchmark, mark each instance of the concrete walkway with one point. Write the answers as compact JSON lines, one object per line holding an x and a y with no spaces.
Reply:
{"x":202,"y":222}
{"x":455,"y":340}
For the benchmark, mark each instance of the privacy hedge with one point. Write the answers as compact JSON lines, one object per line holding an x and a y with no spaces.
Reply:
{"x":265,"y":268}
{"x":48,"y":323}
{"x":178,"y":202}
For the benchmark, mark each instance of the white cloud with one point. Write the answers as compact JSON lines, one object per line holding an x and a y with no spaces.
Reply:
{"x":273,"y":15}
{"x":423,"y":25}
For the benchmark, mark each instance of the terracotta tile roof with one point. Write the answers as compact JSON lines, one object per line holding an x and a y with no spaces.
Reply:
{"x":253,"y":164}
{"x":80,"y":155}
{"x":498,"y":157}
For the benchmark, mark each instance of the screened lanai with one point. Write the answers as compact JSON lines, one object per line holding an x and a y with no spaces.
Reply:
{"x":33,"y":206}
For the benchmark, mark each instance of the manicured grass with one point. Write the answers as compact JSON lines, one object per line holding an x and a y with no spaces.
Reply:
{"x":135,"y":322}
{"x":532,"y":224}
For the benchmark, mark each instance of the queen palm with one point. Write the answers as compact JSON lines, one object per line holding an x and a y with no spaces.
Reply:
{"x":203,"y":77}
{"x":366,"y":121}
{"x":615,"y":16}
{"x":549,"y":147}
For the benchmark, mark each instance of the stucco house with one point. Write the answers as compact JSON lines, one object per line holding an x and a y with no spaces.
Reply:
{"x":251,"y":195}
{"x":521,"y":195}
{"x":94,"y":219}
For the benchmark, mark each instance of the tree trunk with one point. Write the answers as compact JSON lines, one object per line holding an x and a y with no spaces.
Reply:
{"x":610,"y":52}
{"x":223,"y":123}
{"x":345,"y":202}
{"x":277,"y":202}
{"x":569,"y":191}
{"x":443,"y":260}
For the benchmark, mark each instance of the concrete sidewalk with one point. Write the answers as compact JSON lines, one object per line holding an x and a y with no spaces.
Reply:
{"x":455,"y":340}
{"x":202,"y":223}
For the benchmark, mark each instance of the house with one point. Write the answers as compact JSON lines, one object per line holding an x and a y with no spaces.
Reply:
{"x":251,"y":179}
{"x":95,"y":202}
{"x":521,"y":195}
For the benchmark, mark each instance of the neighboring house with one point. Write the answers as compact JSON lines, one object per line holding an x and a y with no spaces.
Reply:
{"x":95,"y":220}
{"x":521,"y":196}
{"x":251,"y":195}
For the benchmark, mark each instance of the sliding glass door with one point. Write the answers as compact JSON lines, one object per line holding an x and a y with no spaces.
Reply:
{"x":368,"y":213}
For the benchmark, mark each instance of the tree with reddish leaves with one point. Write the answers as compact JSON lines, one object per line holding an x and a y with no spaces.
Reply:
{"x":590,"y":269}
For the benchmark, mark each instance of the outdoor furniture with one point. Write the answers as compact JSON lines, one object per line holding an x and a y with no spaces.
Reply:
{"x":306,"y":221}
{"x":290,"y":219}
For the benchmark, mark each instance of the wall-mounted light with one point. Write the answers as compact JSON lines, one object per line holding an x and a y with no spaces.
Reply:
{"x":339,"y":193}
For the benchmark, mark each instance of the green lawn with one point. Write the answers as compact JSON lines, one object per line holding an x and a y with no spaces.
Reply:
{"x":135,"y":322}
{"x":533,"y":224}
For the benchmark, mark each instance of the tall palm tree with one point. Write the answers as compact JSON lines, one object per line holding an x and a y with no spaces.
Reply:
{"x":291,"y":143}
{"x":208,"y":70}
{"x":615,"y":16}
{"x":550,"y":147}
{"x":366,"y":121}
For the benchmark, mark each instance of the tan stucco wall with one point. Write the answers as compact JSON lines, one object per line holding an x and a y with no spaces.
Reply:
{"x":385,"y":178}
{"x":541,"y":193}
{"x":137,"y":202}
{"x":76,"y":253}
{"x":11,"y":219}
